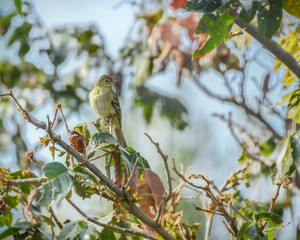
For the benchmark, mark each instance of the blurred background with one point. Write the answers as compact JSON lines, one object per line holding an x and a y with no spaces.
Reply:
{"x":59,"y":49}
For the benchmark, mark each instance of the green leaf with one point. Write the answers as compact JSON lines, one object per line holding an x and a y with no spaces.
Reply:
{"x":243,"y":233}
{"x":267,"y":147}
{"x":9,"y":232}
{"x":169,"y":107}
{"x":102,"y":137}
{"x":54,"y":169}
{"x":203,"y":5}
{"x":18,"y":5}
{"x":217,"y":27}
{"x":269,"y":20}
{"x":5,"y":22}
{"x":206,"y":24}
{"x":85,"y":175}
{"x":269,"y":217}
{"x":285,"y":163}
{"x":108,"y":234}
{"x":60,"y":183}
{"x":131,"y":155}
{"x":247,"y":16}
{"x":255,"y":233}
{"x":6,"y":219}
{"x":295,"y":114}
{"x":68,"y":231}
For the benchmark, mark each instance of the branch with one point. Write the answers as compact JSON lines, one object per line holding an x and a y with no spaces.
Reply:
{"x":167,"y":170}
{"x":58,"y":223}
{"x":24,"y":181}
{"x":272,"y":46}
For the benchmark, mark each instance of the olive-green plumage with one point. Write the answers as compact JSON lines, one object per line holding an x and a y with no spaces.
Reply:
{"x":105,"y":103}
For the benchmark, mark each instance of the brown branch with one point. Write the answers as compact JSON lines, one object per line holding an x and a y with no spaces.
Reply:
{"x":206,"y":210}
{"x":24,"y":181}
{"x":58,"y":223}
{"x":118,"y":169}
{"x":63,"y":116}
{"x":29,"y":155}
{"x":272,"y":46}
{"x":118,"y":229}
{"x":167,"y":170}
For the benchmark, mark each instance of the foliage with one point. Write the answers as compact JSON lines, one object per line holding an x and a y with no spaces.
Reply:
{"x":142,"y":207}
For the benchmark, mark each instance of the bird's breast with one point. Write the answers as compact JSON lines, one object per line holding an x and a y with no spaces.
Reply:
{"x":100,"y":102}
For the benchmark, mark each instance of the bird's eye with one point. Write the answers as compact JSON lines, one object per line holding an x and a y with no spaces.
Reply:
{"x":106,"y":80}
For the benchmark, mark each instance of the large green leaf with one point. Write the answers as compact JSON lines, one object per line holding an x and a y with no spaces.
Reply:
{"x":243,"y":233}
{"x":18,"y":5}
{"x":269,"y":217}
{"x":102,"y":137}
{"x":247,"y":16}
{"x":255,"y":233}
{"x":217,"y":27}
{"x":61,"y":182}
{"x":69,"y":231}
{"x":285,"y":163}
{"x":269,"y":20}
{"x":54,"y":169}
{"x":132,"y":156}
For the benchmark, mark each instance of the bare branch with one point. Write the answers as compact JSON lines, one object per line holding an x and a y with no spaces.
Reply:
{"x":272,"y":46}
{"x":58,"y":223}
{"x":167,"y":170}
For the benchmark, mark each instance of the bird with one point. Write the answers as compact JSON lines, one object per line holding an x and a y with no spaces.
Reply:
{"x":105,"y":104}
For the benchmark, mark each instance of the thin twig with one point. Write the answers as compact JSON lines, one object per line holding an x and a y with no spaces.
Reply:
{"x":160,"y":209}
{"x":58,"y":223}
{"x":206,"y":210}
{"x":118,"y":229}
{"x":63,"y":116}
{"x":132,"y":173}
{"x":167,"y":170}
{"x":29,"y":155}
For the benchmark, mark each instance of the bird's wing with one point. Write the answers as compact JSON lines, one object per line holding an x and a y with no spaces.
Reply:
{"x":116,"y":105}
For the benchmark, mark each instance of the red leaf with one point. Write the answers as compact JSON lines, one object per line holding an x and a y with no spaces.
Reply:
{"x":176,"y":4}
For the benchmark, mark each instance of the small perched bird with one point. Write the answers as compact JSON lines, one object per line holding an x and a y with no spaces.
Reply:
{"x":105,"y":103}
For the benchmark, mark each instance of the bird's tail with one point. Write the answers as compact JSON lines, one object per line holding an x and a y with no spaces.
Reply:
{"x":120,"y":137}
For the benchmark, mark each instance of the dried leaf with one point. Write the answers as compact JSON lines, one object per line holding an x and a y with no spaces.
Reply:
{"x":78,"y":142}
{"x":156,"y":186}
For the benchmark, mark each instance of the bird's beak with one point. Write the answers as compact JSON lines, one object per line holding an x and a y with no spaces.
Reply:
{"x":114,"y":82}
